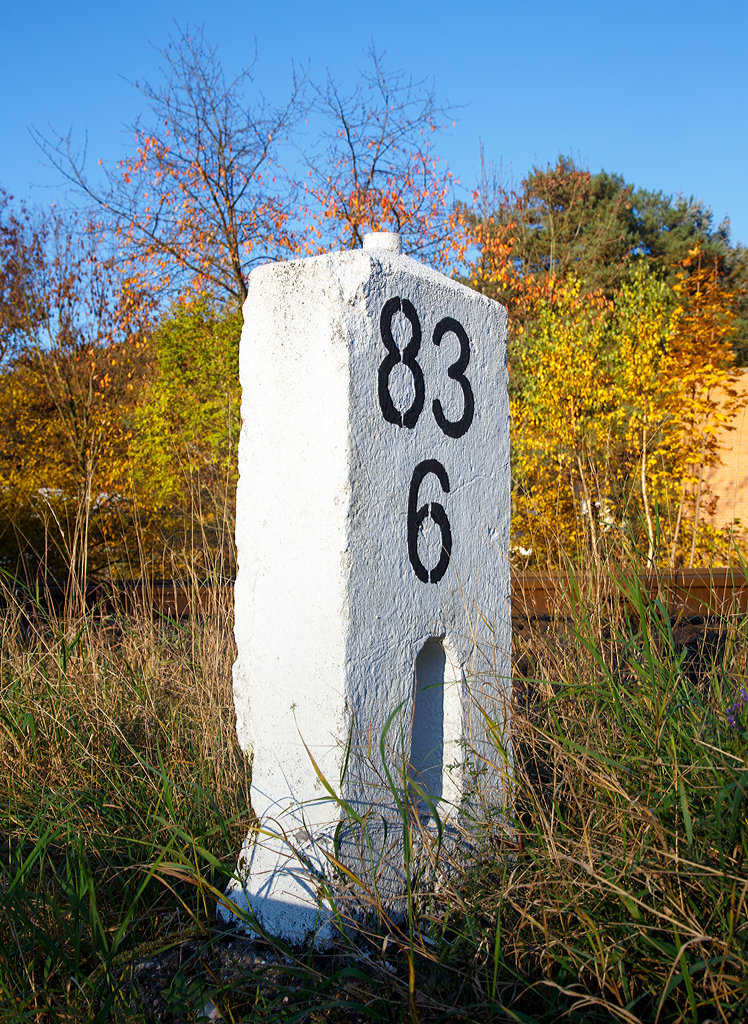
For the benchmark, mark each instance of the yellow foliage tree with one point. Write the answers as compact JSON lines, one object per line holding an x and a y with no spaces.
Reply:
{"x":649,"y":392}
{"x":184,"y":453}
{"x":562,"y":415}
{"x":616,"y":407}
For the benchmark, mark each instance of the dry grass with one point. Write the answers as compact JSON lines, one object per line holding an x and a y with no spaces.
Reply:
{"x":619,"y":891}
{"x":118,"y":754}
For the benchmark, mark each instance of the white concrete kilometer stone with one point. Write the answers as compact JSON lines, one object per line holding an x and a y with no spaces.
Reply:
{"x":373,"y":533}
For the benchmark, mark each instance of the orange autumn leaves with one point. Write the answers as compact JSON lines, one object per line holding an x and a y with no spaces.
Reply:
{"x":219,"y":183}
{"x":190,"y":223}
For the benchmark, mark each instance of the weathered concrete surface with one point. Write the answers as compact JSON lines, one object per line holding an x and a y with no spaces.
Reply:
{"x":343,"y":574}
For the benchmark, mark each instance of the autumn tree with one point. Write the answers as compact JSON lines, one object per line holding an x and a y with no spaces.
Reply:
{"x":183,"y":456}
{"x":67,"y":397}
{"x":200,"y":201}
{"x":561,"y":219}
{"x":21,"y":262}
{"x":706,"y":370}
{"x":616,"y":405}
{"x":648,"y":458}
{"x":203,"y":197}
{"x":374,"y":167}
{"x":596,"y":423}
{"x":561,"y":424}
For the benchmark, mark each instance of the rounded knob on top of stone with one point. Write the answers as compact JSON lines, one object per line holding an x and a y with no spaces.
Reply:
{"x":389,"y":241}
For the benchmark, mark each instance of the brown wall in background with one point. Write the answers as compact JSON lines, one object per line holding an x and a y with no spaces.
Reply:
{"x":730,"y":480}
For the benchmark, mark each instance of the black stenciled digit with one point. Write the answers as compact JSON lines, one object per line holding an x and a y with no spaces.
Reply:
{"x":408,"y":418}
{"x":417,"y":515}
{"x":457,"y":373}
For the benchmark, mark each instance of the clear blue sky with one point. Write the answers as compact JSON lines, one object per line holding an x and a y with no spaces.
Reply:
{"x":655,"y":90}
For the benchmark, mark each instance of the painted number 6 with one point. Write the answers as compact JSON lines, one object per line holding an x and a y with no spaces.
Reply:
{"x":417,"y":515}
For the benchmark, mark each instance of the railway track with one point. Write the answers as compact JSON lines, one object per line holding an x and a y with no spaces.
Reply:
{"x":685,"y":592}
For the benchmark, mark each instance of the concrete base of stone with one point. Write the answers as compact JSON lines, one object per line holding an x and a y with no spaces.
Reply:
{"x":291,"y":893}
{"x":279,"y":891}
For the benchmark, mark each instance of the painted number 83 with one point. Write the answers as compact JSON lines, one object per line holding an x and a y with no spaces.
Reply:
{"x":409,"y":417}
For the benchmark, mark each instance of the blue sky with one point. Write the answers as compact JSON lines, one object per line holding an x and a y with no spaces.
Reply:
{"x":656,"y":91}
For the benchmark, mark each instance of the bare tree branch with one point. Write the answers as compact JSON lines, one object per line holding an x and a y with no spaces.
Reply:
{"x":374,"y":167}
{"x":201,"y":200}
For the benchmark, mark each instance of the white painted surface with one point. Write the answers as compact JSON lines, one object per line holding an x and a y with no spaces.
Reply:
{"x":330,"y":613}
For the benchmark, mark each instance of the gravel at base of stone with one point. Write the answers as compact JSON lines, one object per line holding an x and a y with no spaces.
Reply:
{"x":179,"y":982}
